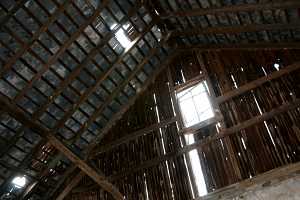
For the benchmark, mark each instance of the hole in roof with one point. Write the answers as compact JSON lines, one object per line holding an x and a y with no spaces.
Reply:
{"x":122,"y":38}
{"x":19,"y":181}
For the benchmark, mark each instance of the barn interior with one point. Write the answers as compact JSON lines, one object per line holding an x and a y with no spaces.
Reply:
{"x":149,"y":99}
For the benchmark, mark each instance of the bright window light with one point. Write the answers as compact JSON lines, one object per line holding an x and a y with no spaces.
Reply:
{"x":195,"y":105}
{"x":277,"y":66}
{"x":122,"y":38}
{"x":19,"y":182}
{"x":196,"y":167}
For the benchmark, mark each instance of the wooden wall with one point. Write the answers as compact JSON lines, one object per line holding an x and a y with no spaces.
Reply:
{"x":152,"y":164}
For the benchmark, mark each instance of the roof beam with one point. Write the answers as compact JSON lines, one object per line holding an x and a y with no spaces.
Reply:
{"x":100,"y":79}
{"x":234,"y":8}
{"x":70,"y":186}
{"x":12,"y":11}
{"x":220,"y":99}
{"x":258,"y":82}
{"x":249,"y":46}
{"x":121,"y":86}
{"x":62,"y":50}
{"x":34,"y":37}
{"x":37,"y":114}
{"x":18,"y":114}
{"x":132,"y":136}
{"x":235,"y":29}
{"x":200,"y":144}
{"x":119,"y":114}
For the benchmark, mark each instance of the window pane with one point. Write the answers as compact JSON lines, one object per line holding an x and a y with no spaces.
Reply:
{"x":195,"y":105}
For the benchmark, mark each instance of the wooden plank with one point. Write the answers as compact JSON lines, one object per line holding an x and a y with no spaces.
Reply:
{"x":132,"y":136}
{"x":235,"y":29}
{"x":12,"y":11}
{"x":202,"y":143}
{"x":118,"y":115}
{"x":256,"y":83}
{"x":239,"y":47}
{"x":114,"y":94}
{"x":189,"y":83}
{"x":234,"y":8}
{"x":281,"y":173}
{"x":34,"y":37}
{"x":60,"y":52}
{"x":100,"y":79}
{"x":70,"y":78}
{"x":70,"y":186}
{"x":260,"y":118}
{"x":19,"y":115}
{"x":180,"y":123}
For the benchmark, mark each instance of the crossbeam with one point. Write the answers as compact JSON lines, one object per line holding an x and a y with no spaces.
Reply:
{"x":235,"y":29}
{"x":234,"y":8}
{"x":14,"y":111}
{"x":240,"y":47}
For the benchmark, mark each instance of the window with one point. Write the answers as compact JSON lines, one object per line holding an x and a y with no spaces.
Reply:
{"x":194,"y":104}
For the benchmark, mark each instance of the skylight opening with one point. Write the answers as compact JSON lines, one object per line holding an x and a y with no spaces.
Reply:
{"x":123,"y":38}
{"x":19,"y":182}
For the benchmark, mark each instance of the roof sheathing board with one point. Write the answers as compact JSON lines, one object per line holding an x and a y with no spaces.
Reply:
{"x":231,"y":19}
{"x":63,"y":66}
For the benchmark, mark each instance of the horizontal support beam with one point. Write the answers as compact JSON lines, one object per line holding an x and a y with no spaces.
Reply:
{"x":189,"y":83}
{"x":234,"y":8}
{"x":205,"y":142}
{"x":70,"y":186}
{"x":119,"y":114}
{"x":260,"y":118}
{"x":235,"y":29}
{"x":133,"y":136}
{"x":14,"y":111}
{"x":256,"y":83}
{"x":239,"y":47}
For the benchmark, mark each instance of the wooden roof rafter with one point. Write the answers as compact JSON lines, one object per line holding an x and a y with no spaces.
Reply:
{"x":64,"y":48}
{"x":18,"y":114}
{"x":233,"y":8}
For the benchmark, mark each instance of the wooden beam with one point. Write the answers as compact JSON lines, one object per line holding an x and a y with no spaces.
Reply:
{"x":19,"y":115}
{"x":121,"y":86}
{"x":234,"y":8}
{"x":34,"y":37}
{"x":70,"y":170}
{"x":235,"y":29}
{"x":70,"y":186}
{"x":258,"y":82}
{"x":189,"y":83}
{"x":205,"y":142}
{"x":99,"y":80}
{"x":239,"y":47}
{"x":63,"y":84}
{"x":118,"y":115}
{"x":60,"y":52}
{"x":132,"y":136}
{"x":12,"y":11}
{"x":260,"y":118}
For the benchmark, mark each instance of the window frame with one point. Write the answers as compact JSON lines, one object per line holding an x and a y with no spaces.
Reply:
{"x":187,"y":85}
